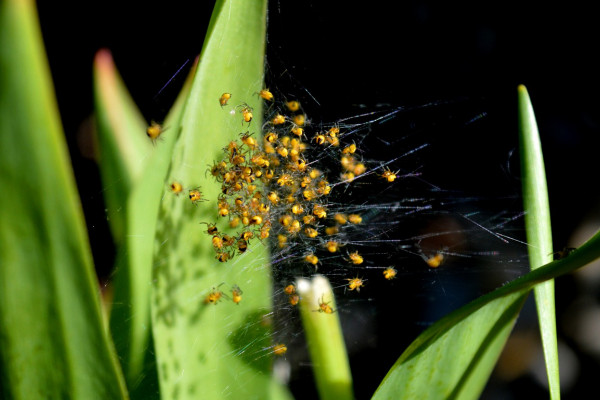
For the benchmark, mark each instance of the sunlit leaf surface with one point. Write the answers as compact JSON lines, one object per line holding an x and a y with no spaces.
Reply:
{"x":220,"y":350}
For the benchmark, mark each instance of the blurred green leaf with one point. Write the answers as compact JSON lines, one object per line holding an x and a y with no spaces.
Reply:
{"x":324,"y":339}
{"x":52,"y":340}
{"x":454,"y":357}
{"x":122,"y":139}
{"x":213,"y":350}
{"x":539,"y":231}
{"x":123,"y":145}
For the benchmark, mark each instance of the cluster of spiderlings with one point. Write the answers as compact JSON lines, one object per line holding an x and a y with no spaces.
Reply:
{"x":275,"y":183}
{"x":272,"y":183}
{"x":240,"y":200}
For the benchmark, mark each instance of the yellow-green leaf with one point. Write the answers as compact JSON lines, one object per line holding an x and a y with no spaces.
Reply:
{"x":212,"y":350}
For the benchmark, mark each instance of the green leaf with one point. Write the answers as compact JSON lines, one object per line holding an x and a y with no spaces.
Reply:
{"x":142,"y":214}
{"x":462,"y":348}
{"x":212,"y":350}
{"x":52,"y":340}
{"x":539,"y":231}
{"x":123,"y":139}
{"x":454,"y":356}
{"x":122,"y":142}
{"x":324,"y":339}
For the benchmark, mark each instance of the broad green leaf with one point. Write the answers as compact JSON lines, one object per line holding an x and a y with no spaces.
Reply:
{"x":212,"y":350}
{"x":52,"y":340}
{"x":324,"y":339}
{"x":122,"y":139}
{"x":439,"y":364}
{"x":122,"y":142}
{"x":539,"y":231}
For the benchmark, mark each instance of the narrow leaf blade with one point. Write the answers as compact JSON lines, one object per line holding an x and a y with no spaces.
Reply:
{"x":539,"y":231}
{"x":123,"y":145}
{"x":324,"y":339}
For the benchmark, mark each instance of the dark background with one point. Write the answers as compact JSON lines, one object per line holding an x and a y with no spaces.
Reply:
{"x":348,"y":57}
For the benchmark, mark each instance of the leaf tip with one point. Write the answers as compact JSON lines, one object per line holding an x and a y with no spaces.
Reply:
{"x":522,"y":89}
{"x":103,"y":58}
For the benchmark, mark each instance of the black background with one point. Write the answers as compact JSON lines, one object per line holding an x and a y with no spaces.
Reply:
{"x":346,"y":56}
